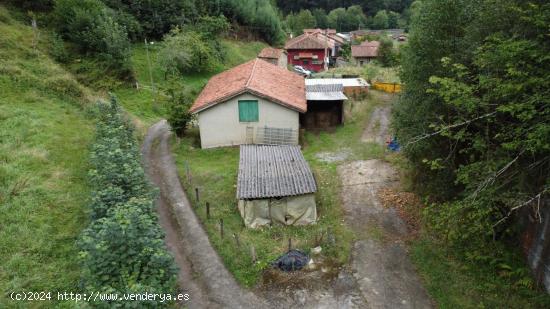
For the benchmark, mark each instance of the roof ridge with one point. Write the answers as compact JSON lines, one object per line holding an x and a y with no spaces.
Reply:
{"x":251,"y":73}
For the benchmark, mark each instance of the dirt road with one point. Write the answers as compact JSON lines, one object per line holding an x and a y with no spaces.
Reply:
{"x":377,"y":129}
{"x":380,"y":264}
{"x":202,"y":273}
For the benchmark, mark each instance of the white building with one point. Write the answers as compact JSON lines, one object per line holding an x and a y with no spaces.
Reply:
{"x":253,"y":103}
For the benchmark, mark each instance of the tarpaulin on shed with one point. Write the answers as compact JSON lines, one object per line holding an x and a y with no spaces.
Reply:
{"x":290,"y":210}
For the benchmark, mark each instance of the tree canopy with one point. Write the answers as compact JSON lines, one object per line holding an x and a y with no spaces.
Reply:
{"x":474,"y":117}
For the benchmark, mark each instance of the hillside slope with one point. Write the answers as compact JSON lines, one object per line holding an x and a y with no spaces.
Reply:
{"x":139,"y":102}
{"x":44,"y":138}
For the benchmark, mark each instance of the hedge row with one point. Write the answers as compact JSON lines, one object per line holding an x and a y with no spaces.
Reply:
{"x":122,"y":250}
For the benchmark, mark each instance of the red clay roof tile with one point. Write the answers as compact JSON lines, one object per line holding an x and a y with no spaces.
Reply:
{"x":366,"y":49}
{"x":257,"y":77}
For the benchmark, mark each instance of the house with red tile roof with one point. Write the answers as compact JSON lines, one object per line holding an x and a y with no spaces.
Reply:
{"x":276,"y":56}
{"x":253,"y":103}
{"x":365,"y":52}
{"x":308,"y":51}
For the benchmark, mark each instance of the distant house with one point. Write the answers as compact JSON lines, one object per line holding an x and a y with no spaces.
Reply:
{"x":275,"y":186}
{"x":331,"y":38}
{"x":275,"y":56}
{"x":255,"y":102}
{"x":325,"y":106}
{"x":309,"y":52}
{"x":365,"y":52}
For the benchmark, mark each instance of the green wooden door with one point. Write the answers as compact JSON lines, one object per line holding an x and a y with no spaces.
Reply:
{"x":248,"y":110}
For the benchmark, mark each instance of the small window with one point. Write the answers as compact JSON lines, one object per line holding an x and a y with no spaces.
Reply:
{"x":248,"y":110}
{"x":306,"y":61}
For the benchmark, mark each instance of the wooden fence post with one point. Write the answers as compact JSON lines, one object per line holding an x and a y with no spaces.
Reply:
{"x":207,"y":210}
{"x":197,"y":195}
{"x":237,"y":240}
{"x":187,"y":172}
{"x":253,"y":254}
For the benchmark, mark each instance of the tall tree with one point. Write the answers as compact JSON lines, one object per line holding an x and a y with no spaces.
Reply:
{"x":475,"y":112}
{"x":381,"y":20}
{"x":321,"y":18}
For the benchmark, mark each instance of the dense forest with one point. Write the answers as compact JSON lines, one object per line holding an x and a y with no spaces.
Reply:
{"x":154,"y":18}
{"x":370,"y":7}
{"x":474,"y":117}
{"x":348,"y":17}
{"x":105,"y":29}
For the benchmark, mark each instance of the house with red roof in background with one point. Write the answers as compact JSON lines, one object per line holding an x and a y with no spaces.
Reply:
{"x":275,"y":56}
{"x":365,"y":52}
{"x":308,"y":51}
{"x":256,"y":102}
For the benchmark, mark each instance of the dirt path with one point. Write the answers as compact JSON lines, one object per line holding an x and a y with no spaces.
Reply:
{"x":202,"y":273}
{"x":377,"y":129}
{"x":380,"y":264}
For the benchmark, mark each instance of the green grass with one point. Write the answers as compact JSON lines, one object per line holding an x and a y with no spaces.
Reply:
{"x":214,"y":172}
{"x":147,"y":103}
{"x":44,"y":138}
{"x":455,"y":283}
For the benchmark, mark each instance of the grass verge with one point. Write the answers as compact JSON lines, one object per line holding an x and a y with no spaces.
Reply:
{"x":44,"y":138}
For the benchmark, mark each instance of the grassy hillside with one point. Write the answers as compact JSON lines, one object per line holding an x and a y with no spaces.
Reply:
{"x":44,"y":138}
{"x":141,"y":101}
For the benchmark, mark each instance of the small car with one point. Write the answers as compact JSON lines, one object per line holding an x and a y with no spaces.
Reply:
{"x":299,"y":69}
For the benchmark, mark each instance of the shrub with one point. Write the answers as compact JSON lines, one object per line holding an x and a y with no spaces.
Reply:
{"x":178,"y":110}
{"x":122,"y":250}
{"x":125,"y":252}
{"x":57,"y":48}
{"x":94,"y":29}
{"x":186,"y":52}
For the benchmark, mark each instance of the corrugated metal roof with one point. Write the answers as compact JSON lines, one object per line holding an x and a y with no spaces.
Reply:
{"x":346,"y":82}
{"x":325,"y":92}
{"x":267,"y":171}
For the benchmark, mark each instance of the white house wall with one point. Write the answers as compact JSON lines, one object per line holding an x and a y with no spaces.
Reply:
{"x":219,"y":125}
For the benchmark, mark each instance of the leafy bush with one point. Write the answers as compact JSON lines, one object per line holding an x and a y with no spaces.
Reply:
{"x":94,"y":29}
{"x":186,"y":52}
{"x":125,"y":252}
{"x":387,"y":55}
{"x":122,"y":250}
{"x":178,"y":109}
{"x":57,"y":48}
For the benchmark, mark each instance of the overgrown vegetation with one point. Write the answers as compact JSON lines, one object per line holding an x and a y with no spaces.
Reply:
{"x":474,"y":121}
{"x":96,"y":30}
{"x":122,"y":250}
{"x":372,"y":72}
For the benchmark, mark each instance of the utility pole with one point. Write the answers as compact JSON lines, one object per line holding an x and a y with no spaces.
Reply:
{"x":36,"y":34}
{"x":327,"y":57}
{"x":151,"y":75}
